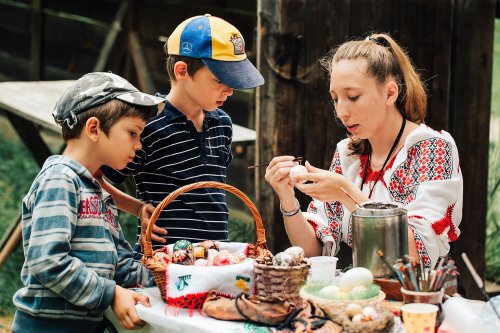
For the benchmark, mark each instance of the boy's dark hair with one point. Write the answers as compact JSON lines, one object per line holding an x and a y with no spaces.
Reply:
{"x":193,"y":64}
{"x":108,"y":114}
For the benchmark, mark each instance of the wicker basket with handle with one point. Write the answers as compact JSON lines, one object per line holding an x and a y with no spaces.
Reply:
{"x":258,"y":250}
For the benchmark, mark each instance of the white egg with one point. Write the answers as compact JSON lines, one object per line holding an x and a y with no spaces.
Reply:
{"x":297,"y":170}
{"x":357,"y":318}
{"x":353,"y":309}
{"x":369,"y":313}
{"x":329,"y":292}
{"x":358,"y":276}
{"x":297,"y":254}
{"x":358,"y":289}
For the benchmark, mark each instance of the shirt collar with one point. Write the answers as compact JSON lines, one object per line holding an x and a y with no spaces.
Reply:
{"x":171,"y":113}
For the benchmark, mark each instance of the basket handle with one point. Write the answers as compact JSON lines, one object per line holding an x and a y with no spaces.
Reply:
{"x":259,"y":226}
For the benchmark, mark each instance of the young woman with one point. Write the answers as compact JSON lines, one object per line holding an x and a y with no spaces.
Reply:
{"x":389,"y":155}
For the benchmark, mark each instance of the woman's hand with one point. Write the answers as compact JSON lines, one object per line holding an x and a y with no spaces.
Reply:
{"x":322,"y":185}
{"x":144,"y":216}
{"x":278,"y":176}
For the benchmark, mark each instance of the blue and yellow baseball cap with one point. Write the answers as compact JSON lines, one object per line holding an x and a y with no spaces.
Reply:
{"x":221,"y":48}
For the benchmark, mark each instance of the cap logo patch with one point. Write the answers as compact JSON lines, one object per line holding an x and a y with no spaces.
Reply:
{"x":238,"y":43}
{"x":187,"y":47}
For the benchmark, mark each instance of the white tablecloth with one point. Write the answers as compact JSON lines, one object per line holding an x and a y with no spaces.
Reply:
{"x":160,"y":318}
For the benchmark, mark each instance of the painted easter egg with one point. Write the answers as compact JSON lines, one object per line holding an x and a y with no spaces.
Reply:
{"x":297,"y":170}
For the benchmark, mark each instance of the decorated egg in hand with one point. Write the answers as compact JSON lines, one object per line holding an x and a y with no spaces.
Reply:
{"x":297,"y":170}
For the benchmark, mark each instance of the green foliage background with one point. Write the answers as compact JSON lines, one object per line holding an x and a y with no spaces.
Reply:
{"x":493,"y":214}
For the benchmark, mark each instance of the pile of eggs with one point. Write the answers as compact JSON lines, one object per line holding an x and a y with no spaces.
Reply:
{"x":293,"y":256}
{"x":352,"y":284}
{"x":359,"y":314}
{"x":206,"y":253}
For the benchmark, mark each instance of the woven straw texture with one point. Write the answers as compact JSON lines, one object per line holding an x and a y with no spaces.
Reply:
{"x":259,"y":249}
{"x":280,"y":282}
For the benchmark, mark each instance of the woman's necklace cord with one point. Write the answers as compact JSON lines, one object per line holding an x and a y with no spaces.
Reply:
{"x":394,"y":145}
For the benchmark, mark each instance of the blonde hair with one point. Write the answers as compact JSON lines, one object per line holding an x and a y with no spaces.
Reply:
{"x":385,"y":58}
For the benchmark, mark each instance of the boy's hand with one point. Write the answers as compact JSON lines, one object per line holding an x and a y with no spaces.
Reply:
{"x":124,"y":308}
{"x":145,"y":216}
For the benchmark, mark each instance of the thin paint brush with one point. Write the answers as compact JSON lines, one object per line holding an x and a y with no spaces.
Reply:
{"x":412,"y":276}
{"x":479,"y":282}
{"x":297,"y":159}
{"x":381,"y":255}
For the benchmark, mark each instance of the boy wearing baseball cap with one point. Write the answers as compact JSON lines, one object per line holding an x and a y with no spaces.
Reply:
{"x":190,"y":140}
{"x":76,"y":256}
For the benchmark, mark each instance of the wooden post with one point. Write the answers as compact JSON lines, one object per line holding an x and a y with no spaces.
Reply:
{"x":36,"y":40}
{"x":470,"y":102}
{"x":294,"y":115}
{"x":116,"y":27}
{"x":144,"y":78}
{"x":10,"y":239}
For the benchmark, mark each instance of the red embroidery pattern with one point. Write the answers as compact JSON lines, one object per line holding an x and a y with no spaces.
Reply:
{"x":334,"y":214}
{"x":335,"y":166}
{"x":312,"y":208}
{"x":446,"y":222}
{"x":422,"y":251}
{"x":428,"y":160}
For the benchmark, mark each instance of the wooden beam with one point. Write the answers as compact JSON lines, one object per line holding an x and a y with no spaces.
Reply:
{"x":10,"y":239}
{"x":36,"y":40}
{"x":146,"y":83}
{"x":113,"y":32}
{"x":31,"y":138}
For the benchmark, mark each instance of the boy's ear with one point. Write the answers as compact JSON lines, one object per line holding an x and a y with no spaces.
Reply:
{"x":92,"y":128}
{"x":180,"y":70}
{"x":392,"y":90}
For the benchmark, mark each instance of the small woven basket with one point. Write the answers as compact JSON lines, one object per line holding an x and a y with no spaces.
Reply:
{"x":278,"y":281}
{"x":150,"y":261}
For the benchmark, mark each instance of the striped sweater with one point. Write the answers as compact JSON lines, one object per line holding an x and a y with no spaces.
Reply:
{"x":75,"y":251}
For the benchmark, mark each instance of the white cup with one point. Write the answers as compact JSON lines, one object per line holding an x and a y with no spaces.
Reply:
{"x":459,"y":315}
{"x":323,"y":269}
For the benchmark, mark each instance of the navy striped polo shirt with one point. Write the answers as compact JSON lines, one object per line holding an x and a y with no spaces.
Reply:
{"x":175,"y":154}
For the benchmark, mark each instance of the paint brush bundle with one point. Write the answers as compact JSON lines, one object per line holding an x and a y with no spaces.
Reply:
{"x":416,"y":277}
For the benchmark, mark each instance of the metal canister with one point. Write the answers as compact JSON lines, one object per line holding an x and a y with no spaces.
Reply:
{"x":378,"y":226}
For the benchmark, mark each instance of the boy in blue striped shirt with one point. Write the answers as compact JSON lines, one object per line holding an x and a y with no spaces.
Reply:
{"x":190,"y":140}
{"x":76,"y":257}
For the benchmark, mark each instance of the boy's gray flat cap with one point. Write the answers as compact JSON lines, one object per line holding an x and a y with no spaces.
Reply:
{"x":94,"y":89}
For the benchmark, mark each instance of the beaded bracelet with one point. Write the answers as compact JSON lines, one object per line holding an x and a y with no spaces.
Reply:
{"x":292,"y":212}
